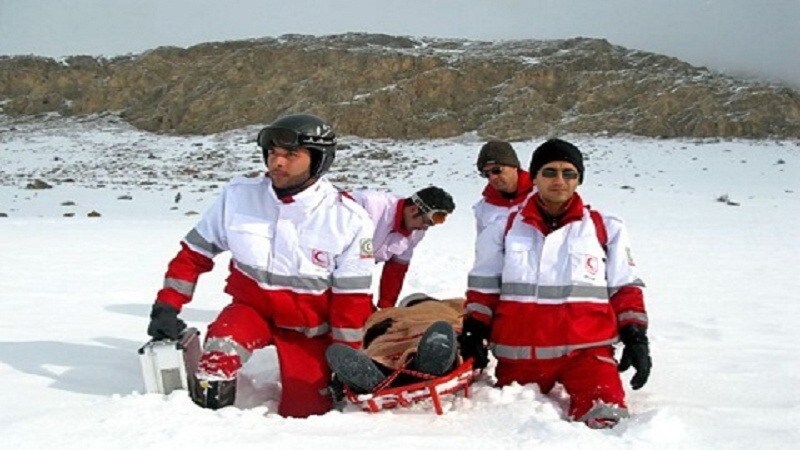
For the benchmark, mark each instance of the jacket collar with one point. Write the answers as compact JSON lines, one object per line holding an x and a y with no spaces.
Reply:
{"x":533,"y":214}
{"x":308,"y":198}
{"x":398,"y":219}
{"x":497,"y":198}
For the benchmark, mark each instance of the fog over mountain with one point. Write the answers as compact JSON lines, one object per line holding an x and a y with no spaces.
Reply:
{"x":740,"y":37}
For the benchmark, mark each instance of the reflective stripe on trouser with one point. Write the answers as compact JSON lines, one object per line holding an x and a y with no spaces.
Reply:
{"x":526,"y":352}
{"x":311,"y":331}
{"x":601,"y":411}
{"x":589,"y":376}
{"x":227,"y":346}
{"x":303,"y":369}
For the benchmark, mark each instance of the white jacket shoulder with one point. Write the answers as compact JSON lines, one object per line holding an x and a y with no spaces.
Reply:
{"x":238,"y":181}
{"x":350,"y":203}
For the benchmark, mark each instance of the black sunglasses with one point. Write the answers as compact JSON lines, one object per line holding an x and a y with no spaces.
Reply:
{"x":567,"y":174}
{"x":290,"y":139}
{"x":493,"y":171}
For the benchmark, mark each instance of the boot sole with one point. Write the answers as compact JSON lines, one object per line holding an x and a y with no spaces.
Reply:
{"x":353,"y":368}
{"x":436,"y":352}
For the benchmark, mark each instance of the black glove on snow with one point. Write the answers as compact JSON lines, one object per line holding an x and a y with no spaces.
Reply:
{"x":636,"y":353}
{"x":164,"y":322}
{"x":472,"y":342}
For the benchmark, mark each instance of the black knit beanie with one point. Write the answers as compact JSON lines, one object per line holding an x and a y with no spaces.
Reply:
{"x":557,"y":150}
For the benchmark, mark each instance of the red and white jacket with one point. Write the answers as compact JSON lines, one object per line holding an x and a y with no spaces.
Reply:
{"x":393,"y":244}
{"x":494,"y":206}
{"x":304,"y":262}
{"x":547,"y":293}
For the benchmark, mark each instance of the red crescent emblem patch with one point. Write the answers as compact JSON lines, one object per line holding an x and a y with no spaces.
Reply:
{"x":320,"y":258}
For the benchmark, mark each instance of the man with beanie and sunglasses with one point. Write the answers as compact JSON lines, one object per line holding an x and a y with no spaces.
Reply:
{"x":554,"y":289}
{"x":400,"y":224}
{"x":507,"y":184}
{"x":300,"y":271}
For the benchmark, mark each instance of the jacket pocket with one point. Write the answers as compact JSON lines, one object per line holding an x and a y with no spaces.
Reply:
{"x":517,"y":265}
{"x":587,"y":264}
{"x":250,"y":240}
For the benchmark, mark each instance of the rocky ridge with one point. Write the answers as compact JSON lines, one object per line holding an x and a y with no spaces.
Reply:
{"x":380,"y":86}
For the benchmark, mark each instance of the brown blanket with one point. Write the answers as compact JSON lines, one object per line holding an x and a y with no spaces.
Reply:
{"x":406,"y":325}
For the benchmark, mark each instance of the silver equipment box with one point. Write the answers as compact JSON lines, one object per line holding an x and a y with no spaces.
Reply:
{"x":168,"y":365}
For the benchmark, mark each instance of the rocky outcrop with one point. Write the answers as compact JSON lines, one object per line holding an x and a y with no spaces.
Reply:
{"x":399,"y":87}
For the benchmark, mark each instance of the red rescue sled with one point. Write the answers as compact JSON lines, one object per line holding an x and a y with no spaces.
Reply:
{"x":429,"y":386}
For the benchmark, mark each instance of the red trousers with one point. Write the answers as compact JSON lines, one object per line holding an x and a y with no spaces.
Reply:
{"x":304,"y":370}
{"x":589,"y":376}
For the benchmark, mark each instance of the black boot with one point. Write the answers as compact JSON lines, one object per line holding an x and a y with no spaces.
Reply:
{"x":354,"y":368}
{"x":213,"y":394}
{"x":436,"y":352}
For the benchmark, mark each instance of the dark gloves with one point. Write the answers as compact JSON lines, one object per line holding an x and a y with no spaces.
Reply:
{"x":636,"y":353}
{"x":164,"y":322}
{"x":472,"y":342}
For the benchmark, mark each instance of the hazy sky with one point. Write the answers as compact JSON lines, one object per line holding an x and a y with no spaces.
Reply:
{"x":741,"y":37}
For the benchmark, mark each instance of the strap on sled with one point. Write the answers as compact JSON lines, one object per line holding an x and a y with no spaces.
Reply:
{"x":433,"y":387}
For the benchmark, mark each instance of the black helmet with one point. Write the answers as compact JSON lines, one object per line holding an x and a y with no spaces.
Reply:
{"x":434,"y":198}
{"x":302,"y":130}
{"x":435,"y":203}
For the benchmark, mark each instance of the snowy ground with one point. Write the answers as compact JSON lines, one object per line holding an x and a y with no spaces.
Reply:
{"x":75,"y":292}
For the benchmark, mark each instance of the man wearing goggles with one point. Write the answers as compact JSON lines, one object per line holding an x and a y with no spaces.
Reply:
{"x":553,"y":289}
{"x":400,"y":224}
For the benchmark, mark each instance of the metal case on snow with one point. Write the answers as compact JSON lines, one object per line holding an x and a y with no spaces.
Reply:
{"x":168,"y":364}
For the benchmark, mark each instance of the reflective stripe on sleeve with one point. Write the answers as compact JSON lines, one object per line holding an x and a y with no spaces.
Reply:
{"x":227,"y":346}
{"x":489,"y":285}
{"x":480,"y":309}
{"x":638,"y":317}
{"x":182,"y":286}
{"x":347,"y":334}
{"x":196,"y":240}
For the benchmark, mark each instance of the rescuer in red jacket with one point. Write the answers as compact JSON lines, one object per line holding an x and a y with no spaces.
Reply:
{"x":300,"y":271}
{"x":553,"y":289}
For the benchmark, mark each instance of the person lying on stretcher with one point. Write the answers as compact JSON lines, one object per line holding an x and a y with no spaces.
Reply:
{"x":419,"y":335}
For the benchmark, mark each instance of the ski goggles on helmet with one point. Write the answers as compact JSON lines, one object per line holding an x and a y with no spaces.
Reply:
{"x":290,"y":139}
{"x":432,"y":215}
